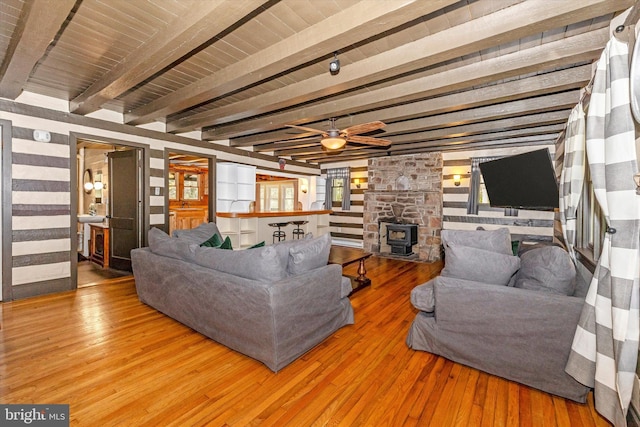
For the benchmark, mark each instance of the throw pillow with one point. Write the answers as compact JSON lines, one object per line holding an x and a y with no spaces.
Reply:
{"x":261,"y":264}
{"x":479,"y":265}
{"x":309,"y":254}
{"x":495,"y":240}
{"x":212,"y":242}
{"x":161,"y":243}
{"x":547,"y":269}
{"x":226,"y":244}
{"x":257,"y":245}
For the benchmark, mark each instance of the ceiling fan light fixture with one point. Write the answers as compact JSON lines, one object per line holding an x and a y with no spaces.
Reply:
{"x":333,"y":142}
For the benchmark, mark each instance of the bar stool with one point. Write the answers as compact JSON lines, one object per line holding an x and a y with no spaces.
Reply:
{"x":298,"y":233}
{"x":279,"y":234}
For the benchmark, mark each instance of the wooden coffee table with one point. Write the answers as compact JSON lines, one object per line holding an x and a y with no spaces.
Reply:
{"x":344,"y":256}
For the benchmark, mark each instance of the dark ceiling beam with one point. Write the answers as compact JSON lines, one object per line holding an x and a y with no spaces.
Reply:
{"x":521,"y":107}
{"x":565,"y":52}
{"x":365,"y":20}
{"x":509,"y":24}
{"x":37,"y":27}
{"x":175,"y":41}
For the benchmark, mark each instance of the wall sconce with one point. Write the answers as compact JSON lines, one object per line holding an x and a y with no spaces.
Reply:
{"x":456,"y":180}
{"x":357,"y":182}
{"x":303,"y":188}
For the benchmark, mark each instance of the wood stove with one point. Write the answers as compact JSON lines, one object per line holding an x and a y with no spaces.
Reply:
{"x":401,"y":238}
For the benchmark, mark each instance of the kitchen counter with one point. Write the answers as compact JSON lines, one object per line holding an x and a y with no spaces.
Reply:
{"x":248,"y":228}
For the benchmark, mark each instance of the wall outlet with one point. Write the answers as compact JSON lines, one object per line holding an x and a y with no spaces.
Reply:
{"x":157,"y":190}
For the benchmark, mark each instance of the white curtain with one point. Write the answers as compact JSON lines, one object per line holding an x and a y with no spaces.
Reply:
{"x":572,"y":176}
{"x":605,"y":346}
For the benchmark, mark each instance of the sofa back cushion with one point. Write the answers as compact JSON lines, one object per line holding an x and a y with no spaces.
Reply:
{"x":489,"y":240}
{"x":479,"y":265}
{"x":261,"y":263}
{"x":547,"y":269}
{"x":309,"y":254}
{"x":161,"y":243}
{"x":200,"y":234}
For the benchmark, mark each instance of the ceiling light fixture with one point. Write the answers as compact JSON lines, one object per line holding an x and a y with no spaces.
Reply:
{"x":334,"y":65}
{"x":334,"y":140}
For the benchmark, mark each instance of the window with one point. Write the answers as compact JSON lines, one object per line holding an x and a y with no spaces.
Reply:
{"x":277,"y":196}
{"x":337,"y":190}
{"x":591,"y":224}
{"x":191,"y":187}
{"x":173,"y":186}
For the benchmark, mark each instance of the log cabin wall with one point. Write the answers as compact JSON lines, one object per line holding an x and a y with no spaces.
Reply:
{"x":528,"y":225}
{"x":43,"y":236}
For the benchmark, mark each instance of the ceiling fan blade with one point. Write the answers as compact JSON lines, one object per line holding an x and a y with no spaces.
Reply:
{"x":364,"y":128}
{"x":306,"y":129}
{"x":369,"y":140}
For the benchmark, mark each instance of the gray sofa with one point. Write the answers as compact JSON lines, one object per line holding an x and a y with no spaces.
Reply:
{"x":271,"y":303}
{"x":511,"y":316}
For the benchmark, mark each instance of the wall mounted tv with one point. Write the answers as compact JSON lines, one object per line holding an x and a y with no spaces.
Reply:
{"x":523,"y":181}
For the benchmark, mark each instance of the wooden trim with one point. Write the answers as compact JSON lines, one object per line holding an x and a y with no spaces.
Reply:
{"x":7,"y":210}
{"x":270,"y":214}
{"x":346,"y":225}
{"x":511,"y":221}
{"x":346,"y":236}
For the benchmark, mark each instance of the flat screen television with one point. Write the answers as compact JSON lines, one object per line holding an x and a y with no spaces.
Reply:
{"x":523,"y":181}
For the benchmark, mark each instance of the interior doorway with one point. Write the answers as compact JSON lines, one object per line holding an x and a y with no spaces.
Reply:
{"x":190,"y":195}
{"x":110,"y":210}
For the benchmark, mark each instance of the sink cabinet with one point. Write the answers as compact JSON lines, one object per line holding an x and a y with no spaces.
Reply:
{"x":99,"y":245}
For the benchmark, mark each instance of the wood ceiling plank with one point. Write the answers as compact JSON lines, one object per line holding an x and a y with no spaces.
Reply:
{"x":522,"y":20}
{"x":583,"y":47}
{"x":176,"y":40}
{"x":39,"y":23}
{"x":365,"y":20}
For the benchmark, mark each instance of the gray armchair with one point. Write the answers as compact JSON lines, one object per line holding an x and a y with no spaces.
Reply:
{"x":521,"y":329}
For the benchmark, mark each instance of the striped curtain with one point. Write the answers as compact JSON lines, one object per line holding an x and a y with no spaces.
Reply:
{"x":605,"y":346}
{"x":572,"y":176}
{"x":473,"y":201}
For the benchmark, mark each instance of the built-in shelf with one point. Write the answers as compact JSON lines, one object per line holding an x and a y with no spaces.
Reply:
{"x":236,"y":187}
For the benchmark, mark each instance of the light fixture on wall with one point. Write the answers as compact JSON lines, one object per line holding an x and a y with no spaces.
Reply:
{"x":88,"y":187}
{"x":456,"y":180}
{"x":303,"y":188}
{"x":334,"y":65}
{"x":98,"y":185}
{"x":357,"y":182}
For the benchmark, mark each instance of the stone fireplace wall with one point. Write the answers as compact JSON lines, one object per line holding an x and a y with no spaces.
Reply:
{"x":411,"y":184}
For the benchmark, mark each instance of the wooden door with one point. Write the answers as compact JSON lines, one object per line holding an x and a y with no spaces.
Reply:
{"x":125,"y":198}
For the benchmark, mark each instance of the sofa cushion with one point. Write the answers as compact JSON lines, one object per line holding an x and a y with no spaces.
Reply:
{"x":547,"y":269}
{"x":309,"y":254}
{"x":479,"y":265}
{"x":494,"y":240}
{"x":199,"y":234}
{"x":261,"y":264}
{"x":283,"y":247}
{"x":162,"y":244}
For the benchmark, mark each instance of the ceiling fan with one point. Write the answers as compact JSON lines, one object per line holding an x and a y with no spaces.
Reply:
{"x":334,"y":138}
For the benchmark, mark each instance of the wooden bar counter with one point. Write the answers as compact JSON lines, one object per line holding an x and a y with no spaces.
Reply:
{"x":248,"y":228}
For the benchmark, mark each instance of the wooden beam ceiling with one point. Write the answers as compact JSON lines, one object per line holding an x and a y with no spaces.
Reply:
{"x":39,"y":23}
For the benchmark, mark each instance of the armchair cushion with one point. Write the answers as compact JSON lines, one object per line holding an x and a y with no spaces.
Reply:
{"x":489,"y":240}
{"x":547,"y":269}
{"x":479,"y":265}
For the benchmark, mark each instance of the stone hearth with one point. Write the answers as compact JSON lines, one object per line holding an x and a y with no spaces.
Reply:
{"x":412,"y":187}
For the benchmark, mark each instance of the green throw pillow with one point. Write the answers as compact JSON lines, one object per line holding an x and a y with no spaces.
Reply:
{"x":213,"y":242}
{"x":257,"y":245}
{"x":226,"y":244}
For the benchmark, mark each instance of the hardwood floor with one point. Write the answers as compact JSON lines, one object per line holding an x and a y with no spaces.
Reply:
{"x":117,"y":361}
